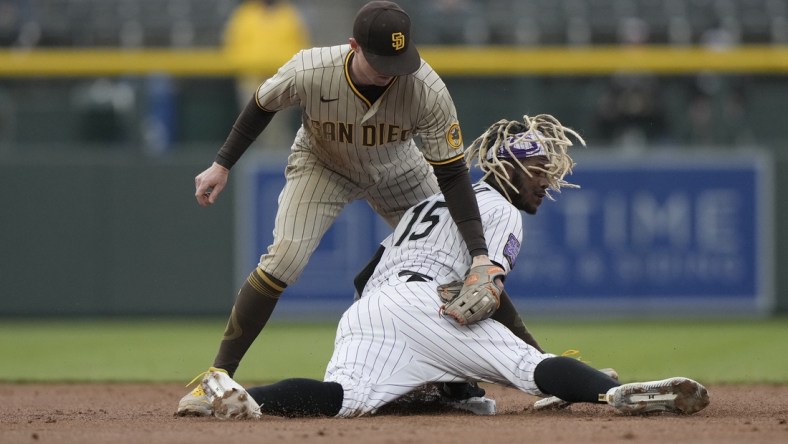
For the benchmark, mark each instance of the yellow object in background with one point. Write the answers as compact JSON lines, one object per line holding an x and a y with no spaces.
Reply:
{"x":261,"y":34}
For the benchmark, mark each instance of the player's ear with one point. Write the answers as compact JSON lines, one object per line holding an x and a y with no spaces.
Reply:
{"x":353,"y":44}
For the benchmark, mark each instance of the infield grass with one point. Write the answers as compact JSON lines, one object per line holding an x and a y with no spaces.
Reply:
{"x":166,"y":350}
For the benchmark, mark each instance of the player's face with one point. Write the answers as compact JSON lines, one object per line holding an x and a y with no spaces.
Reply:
{"x":532,"y":188}
{"x":362,"y":71}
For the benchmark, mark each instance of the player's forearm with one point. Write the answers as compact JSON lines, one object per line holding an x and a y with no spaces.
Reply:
{"x":248,"y":126}
{"x":455,"y":183}
{"x":508,"y":316}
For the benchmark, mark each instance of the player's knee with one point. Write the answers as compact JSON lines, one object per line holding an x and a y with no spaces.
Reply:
{"x":286,"y":261}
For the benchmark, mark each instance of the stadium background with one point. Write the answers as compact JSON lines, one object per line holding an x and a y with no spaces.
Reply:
{"x":109,"y":108}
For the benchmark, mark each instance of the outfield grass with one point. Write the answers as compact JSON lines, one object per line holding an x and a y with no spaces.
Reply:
{"x":725,"y":351}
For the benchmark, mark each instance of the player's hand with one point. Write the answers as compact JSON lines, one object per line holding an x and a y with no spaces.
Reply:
{"x":482,"y":259}
{"x":485,"y":260}
{"x":478,"y":298}
{"x":210,"y":183}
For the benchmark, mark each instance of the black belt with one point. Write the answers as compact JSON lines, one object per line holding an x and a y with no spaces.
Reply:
{"x":414,"y":276}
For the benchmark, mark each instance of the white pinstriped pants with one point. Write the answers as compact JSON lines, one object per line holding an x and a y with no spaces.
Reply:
{"x":394,"y":341}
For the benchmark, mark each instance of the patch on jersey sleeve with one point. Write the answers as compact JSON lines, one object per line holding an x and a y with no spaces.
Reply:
{"x":511,"y":250}
{"x":454,"y":136}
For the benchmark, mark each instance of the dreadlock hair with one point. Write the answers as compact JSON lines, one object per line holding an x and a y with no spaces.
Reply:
{"x":544,"y":129}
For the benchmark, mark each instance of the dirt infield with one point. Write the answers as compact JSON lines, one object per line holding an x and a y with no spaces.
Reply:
{"x":134,"y":413}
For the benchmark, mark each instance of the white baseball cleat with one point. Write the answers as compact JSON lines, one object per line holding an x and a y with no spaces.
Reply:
{"x":551,"y":403}
{"x":478,"y":405}
{"x":675,"y":395}
{"x":196,"y":402}
{"x":556,"y":403}
{"x":229,"y":400}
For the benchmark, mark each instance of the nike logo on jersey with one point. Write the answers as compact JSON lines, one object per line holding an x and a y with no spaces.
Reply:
{"x":324,"y":100}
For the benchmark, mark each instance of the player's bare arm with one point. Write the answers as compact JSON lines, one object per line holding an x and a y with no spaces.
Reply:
{"x":210,"y":183}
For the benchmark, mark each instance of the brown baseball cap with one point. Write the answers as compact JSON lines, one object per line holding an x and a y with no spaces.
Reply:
{"x":383,"y":30}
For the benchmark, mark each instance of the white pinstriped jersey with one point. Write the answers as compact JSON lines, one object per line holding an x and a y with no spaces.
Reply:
{"x":352,"y":135}
{"x":394,"y":340}
{"x":427,"y":240}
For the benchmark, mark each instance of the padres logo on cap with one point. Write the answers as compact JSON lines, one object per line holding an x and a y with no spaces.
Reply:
{"x":454,"y":136}
{"x":398,"y":40}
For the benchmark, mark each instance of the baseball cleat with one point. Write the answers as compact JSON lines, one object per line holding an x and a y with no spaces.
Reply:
{"x":227,"y":398}
{"x":196,"y":402}
{"x":675,"y":395}
{"x":551,"y":403}
{"x":467,"y":396}
{"x":556,"y":403}
{"x":478,"y":405}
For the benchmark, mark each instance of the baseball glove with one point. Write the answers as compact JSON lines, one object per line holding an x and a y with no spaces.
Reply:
{"x":475,"y":299}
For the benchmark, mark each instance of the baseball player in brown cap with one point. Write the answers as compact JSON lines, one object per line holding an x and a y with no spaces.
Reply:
{"x":362,"y":105}
{"x":382,"y":29}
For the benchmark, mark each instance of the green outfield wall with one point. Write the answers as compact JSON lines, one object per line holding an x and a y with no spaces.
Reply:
{"x":112,"y":237}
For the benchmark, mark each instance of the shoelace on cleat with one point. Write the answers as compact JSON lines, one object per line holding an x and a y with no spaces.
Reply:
{"x":202,"y":375}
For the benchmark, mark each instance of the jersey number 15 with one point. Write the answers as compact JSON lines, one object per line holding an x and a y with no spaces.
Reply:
{"x":429,"y":217}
